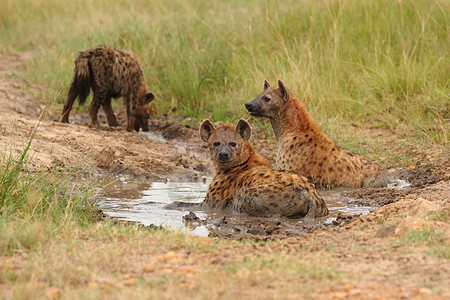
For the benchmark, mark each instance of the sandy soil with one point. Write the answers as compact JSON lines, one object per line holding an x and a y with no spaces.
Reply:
{"x":368,"y":247}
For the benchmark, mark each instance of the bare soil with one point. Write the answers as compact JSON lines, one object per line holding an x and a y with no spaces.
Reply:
{"x":372,"y":250}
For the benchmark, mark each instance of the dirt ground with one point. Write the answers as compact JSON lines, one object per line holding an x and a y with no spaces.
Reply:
{"x":368,"y":246}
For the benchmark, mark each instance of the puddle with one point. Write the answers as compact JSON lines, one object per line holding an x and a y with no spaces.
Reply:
{"x":153,"y":136}
{"x":398,"y":184}
{"x":145,"y":203}
{"x":183,"y":149}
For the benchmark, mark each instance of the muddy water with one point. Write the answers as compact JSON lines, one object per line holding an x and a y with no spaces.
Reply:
{"x":146,"y":203}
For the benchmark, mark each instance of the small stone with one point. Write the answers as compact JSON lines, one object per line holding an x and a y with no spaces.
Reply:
{"x":130,"y":282}
{"x":410,"y":224}
{"x":150,"y":267}
{"x":425,"y":291}
{"x":200,"y":168}
{"x":168,"y":256}
{"x":348,"y":287}
{"x":186,"y":285}
{"x":339,"y":295}
{"x":385,"y":231}
{"x":53,"y":293}
{"x":242,"y":274}
{"x":291,"y":240}
{"x":92,"y":285}
{"x":187,"y":269}
{"x":423,"y":206}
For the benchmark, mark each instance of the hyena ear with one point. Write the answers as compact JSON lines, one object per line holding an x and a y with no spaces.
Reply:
{"x":147,"y":98}
{"x":244,"y":129}
{"x":266,"y":85}
{"x":283,"y":90}
{"x":206,"y":130}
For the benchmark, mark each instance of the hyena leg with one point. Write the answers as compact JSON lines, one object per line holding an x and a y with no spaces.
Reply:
{"x":107,"y":108}
{"x":97,"y":101}
{"x":131,"y":111}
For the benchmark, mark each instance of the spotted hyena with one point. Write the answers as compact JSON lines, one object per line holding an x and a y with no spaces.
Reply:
{"x":110,"y":73}
{"x":305,"y":149}
{"x":244,"y":182}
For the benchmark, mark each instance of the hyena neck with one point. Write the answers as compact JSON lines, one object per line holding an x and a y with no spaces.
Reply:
{"x":294,"y":117}
{"x":142,"y":90}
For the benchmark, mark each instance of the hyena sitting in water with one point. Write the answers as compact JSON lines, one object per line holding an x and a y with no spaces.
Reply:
{"x":244,"y":182}
{"x":305,"y":149}
{"x":111,"y":73}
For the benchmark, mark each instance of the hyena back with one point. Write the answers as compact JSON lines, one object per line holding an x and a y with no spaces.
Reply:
{"x":304,"y":148}
{"x":244,"y":182}
{"x":110,"y":73}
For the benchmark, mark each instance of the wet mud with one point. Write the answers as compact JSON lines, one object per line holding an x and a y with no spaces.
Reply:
{"x":172,"y":151}
{"x":423,"y":178}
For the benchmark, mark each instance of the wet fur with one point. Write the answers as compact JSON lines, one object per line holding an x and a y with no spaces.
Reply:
{"x":247,"y":184}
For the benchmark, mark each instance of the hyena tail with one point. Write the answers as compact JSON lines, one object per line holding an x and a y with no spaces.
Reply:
{"x":80,"y":86}
{"x":81,"y":82}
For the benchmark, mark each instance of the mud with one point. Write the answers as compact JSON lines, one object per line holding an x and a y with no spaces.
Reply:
{"x":366,"y":255}
{"x":257,"y":229}
{"x":419,"y":176}
{"x":173,"y":151}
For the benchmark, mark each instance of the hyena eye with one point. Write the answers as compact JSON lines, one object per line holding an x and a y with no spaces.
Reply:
{"x":216,"y":144}
{"x":232,"y":144}
{"x":266,"y":98}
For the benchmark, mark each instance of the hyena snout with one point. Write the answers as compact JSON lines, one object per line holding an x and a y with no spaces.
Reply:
{"x":141,"y":122}
{"x":253,"y":107}
{"x":223,"y":156}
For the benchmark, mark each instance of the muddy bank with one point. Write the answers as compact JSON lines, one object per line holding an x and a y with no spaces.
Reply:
{"x":92,"y":151}
{"x":429,"y":183}
{"x":172,"y":150}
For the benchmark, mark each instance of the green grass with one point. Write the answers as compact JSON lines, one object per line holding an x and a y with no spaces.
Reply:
{"x":377,"y":63}
{"x":431,"y":237}
{"x":35,"y":206}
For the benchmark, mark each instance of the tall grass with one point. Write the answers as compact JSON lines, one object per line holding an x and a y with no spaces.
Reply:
{"x":31,"y":203}
{"x":377,"y":62}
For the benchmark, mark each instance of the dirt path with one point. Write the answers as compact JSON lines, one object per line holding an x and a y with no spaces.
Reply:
{"x":400,"y":251}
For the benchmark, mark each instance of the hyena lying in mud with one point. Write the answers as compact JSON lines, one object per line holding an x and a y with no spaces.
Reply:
{"x":111,"y":73}
{"x":244,"y":182}
{"x":305,"y":149}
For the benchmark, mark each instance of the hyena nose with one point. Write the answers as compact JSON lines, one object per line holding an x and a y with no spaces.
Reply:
{"x":223,"y":155}
{"x":248,"y":105}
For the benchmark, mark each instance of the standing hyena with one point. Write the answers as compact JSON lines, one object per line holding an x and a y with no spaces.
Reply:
{"x":111,"y":73}
{"x":244,"y":181}
{"x":305,"y":149}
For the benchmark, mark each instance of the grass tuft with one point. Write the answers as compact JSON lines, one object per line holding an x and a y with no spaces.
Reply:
{"x":33,"y":206}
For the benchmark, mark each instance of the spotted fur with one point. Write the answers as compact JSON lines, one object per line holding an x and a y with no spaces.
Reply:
{"x":244,"y":181}
{"x":305,"y":149}
{"x":110,"y":73}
